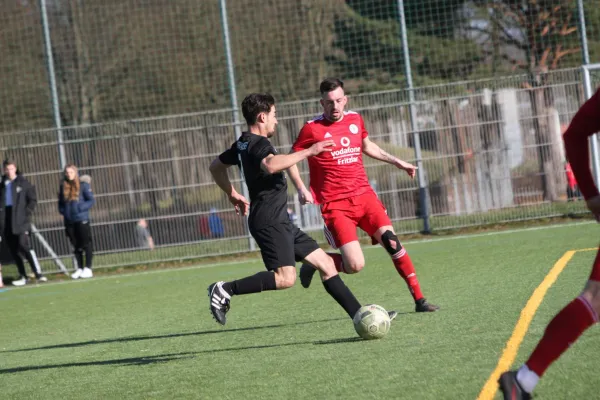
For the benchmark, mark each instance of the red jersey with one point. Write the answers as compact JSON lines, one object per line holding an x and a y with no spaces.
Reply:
{"x":584,"y":124}
{"x":338,"y":174}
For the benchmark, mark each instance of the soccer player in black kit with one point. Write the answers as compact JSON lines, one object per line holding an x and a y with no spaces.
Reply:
{"x":281,"y":243}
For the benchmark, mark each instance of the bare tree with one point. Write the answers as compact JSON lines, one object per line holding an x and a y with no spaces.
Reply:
{"x":535,"y":36}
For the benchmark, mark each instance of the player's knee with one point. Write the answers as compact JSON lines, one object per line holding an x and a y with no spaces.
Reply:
{"x":285,"y":277}
{"x":288,"y":281}
{"x":391,"y":243}
{"x":354,"y":266}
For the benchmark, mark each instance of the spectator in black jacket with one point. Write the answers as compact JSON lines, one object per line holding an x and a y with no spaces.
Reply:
{"x":17,"y":203}
{"x":75,"y":199}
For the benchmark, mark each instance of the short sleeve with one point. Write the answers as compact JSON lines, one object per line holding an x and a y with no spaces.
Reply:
{"x":363,"y":130}
{"x":305,"y":139}
{"x":262,"y":149}
{"x":230,"y":156}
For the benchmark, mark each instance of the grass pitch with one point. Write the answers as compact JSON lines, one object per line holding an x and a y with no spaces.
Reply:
{"x":150,"y":335}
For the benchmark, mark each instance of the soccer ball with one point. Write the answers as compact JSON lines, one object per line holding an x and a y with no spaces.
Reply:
{"x":372,"y":322}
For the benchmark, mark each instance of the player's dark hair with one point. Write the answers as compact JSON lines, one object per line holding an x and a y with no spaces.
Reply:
{"x":255,"y":104}
{"x":330,"y":84}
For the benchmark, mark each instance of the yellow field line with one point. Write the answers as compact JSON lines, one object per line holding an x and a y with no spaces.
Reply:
{"x":512,"y":346}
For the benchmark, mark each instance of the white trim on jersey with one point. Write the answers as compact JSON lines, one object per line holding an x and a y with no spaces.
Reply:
{"x":317,"y":118}
{"x":322,"y":116}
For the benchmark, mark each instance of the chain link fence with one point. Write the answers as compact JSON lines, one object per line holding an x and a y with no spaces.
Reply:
{"x":142,"y":95}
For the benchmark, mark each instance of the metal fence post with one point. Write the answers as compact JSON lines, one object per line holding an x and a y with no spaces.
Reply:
{"x":234,"y":106}
{"x":423,"y":200}
{"x":583,"y":32}
{"x":52,"y":83}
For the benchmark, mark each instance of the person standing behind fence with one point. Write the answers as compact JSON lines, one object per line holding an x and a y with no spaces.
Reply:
{"x":215,"y":224}
{"x":17,"y":203}
{"x":142,"y":235}
{"x":75,"y":199}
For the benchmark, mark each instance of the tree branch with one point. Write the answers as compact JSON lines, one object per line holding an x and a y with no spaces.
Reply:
{"x":544,"y":58}
{"x":560,"y":54}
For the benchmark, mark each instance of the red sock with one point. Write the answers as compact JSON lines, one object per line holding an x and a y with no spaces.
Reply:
{"x":561,"y":332}
{"x":406,"y":269}
{"x":338,"y":261}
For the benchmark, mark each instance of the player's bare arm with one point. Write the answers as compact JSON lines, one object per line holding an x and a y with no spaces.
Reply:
{"x":374,"y":151}
{"x":219,"y":172}
{"x":304,"y":195}
{"x":277,"y":163}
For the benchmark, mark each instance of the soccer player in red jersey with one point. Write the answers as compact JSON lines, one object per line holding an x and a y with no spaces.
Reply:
{"x":339,"y":184}
{"x":582,"y":312}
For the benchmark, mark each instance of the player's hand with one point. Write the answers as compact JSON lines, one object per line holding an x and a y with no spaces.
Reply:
{"x":319,"y":147}
{"x":240,"y":203}
{"x":305,"y":197}
{"x":410,"y":169}
{"x":594,"y":205}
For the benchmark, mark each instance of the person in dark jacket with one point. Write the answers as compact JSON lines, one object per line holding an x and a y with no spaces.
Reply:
{"x":17,"y":203}
{"x":75,"y":199}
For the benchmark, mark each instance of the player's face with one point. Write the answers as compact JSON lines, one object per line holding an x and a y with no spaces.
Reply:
{"x":10,"y":171}
{"x":271,"y":122}
{"x":70,"y":173}
{"x":333,"y":104}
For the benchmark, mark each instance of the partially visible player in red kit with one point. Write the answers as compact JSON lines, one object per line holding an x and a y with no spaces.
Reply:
{"x":340,"y":185}
{"x":582,"y":312}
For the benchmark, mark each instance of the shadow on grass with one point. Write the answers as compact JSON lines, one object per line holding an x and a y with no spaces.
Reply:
{"x":163,"y":358}
{"x":168,"y":336}
{"x":124,"y":361}
{"x":336,"y":341}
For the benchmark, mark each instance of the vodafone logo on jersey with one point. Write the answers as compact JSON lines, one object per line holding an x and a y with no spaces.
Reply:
{"x":345,"y":152}
{"x":347,"y":155}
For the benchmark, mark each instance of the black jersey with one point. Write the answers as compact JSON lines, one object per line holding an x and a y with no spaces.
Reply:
{"x":268,"y":192}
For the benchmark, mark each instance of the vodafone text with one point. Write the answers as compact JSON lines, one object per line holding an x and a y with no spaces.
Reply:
{"x":347,"y":155}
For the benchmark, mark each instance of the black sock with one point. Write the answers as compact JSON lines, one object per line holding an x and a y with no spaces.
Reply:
{"x":339,"y":291}
{"x":252,"y":284}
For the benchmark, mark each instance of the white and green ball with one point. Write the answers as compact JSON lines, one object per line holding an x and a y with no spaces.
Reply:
{"x":372,"y":322}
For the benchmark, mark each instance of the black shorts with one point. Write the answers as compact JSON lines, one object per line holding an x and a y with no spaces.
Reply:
{"x":283,"y":245}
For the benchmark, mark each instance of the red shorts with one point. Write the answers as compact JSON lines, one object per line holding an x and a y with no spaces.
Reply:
{"x":343,"y":216}
{"x":595,"y":276}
